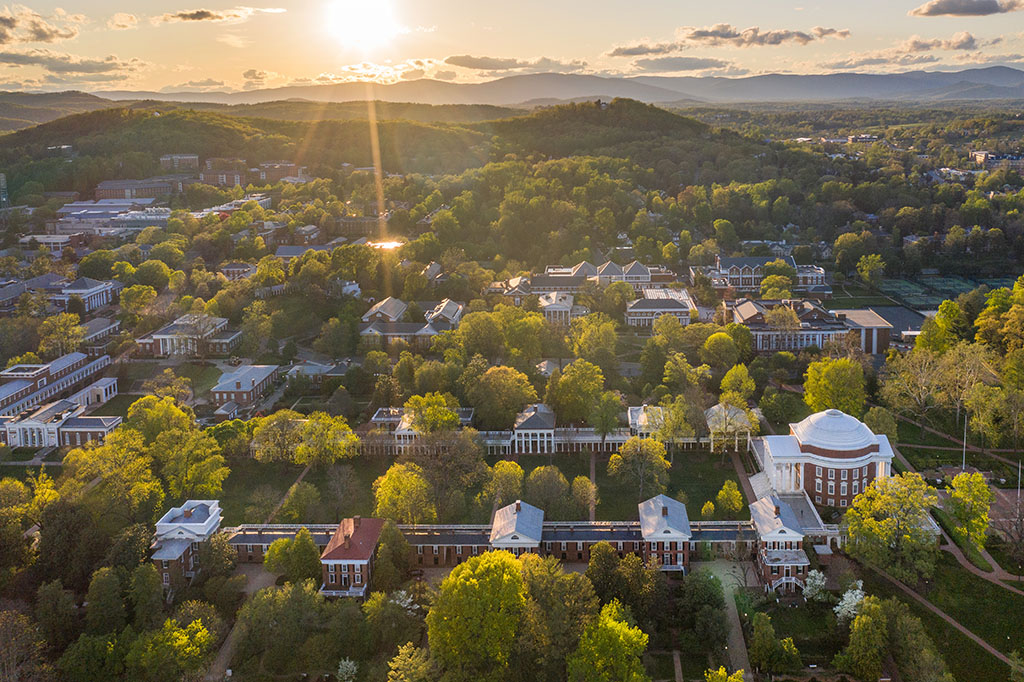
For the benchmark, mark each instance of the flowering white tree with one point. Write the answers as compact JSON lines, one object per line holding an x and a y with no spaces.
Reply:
{"x":347,"y":670}
{"x":849,"y":606}
{"x":814,"y":587}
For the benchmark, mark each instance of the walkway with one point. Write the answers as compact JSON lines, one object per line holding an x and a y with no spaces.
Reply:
{"x":741,"y":474}
{"x":257,"y":578}
{"x":731,"y":574}
{"x":37,"y":460}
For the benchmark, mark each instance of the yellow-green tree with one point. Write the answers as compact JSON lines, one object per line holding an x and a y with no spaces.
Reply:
{"x":610,"y":649}
{"x":641,"y":461}
{"x":968,"y":504}
{"x":835,"y":383}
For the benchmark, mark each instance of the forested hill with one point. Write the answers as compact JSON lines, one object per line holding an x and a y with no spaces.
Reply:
{"x":127,"y":142}
{"x":22,"y":109}
{"x":591,"y":127}
{"x":301,"y":110}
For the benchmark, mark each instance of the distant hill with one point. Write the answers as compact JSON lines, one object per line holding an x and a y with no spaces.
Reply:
{"x":920,"y":86}
{"x":21,"y":109}
{"x":305,"y":110}
{"x":590,"y":128}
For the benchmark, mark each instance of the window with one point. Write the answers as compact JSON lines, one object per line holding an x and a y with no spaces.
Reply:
{"x":856,"y":487}
{"x":817,"y":499}
{"x":165,"y":564}
{"x":842,"y":503}
{"x":831,"y":488}
{"x":458,"y":549}
{"x":843,"y":476}
{"x":831,"y":473}
{"x":419,"y":550}
{"x":435,"y":549}
{"x":842,"y":489}
{"x":817,"y":485}
{"x":167,"y":578}
{"x":344,"y":568}
{"x":248,"y":548}
{"x":817,"y":471}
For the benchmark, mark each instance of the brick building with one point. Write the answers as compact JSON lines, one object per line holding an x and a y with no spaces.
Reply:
{"x":830,"y":456}
{"x":243,"y":388}
{"x":347,"y":560}
{"x":179,"y":533}
{"x":191,"y":335}
{"x":179,"y":161}
{"x":24,"y":386}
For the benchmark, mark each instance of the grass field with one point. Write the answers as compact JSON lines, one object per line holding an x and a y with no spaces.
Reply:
{"x":117,"y":406}
{"x":812,"y":627}
{"x":966,"y":660}
{"x":969,"y":550}
{"x":992,"y":613}
{"x":998,"y":551}
{"x":203,"y":377}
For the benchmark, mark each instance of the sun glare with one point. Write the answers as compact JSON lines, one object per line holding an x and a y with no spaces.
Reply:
{"x":362,"y":24}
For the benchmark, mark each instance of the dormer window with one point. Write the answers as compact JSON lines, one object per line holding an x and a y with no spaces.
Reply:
{"x":666,"y":531}
{"x":515,"y":537}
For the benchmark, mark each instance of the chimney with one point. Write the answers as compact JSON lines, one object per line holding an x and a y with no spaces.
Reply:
{"x":188,"y":513}
{"x":519,"y":506}
{"x":348,"y":541}
{"x":356,"y":520}
{"x":238,"y":385}
{"x":664,"y":511}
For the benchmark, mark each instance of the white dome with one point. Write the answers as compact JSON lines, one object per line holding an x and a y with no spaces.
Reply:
{"x":834,"y":430}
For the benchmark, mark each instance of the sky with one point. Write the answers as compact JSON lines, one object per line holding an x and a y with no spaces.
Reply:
{"x":159,"y":45}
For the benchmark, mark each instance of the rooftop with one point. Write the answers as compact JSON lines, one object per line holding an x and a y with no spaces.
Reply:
{"x":833,"y":430}
{"x":355,"y":539}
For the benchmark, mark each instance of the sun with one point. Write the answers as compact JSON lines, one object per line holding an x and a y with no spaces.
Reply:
{"x":362,"y":24}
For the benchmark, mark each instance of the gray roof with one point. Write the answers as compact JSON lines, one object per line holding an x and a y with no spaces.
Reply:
{"x":169,"y":550}
{"x":754,"y":261}
{"x":390,"y":307}
{"x":657,"y":304}
{"x":661,"y":515}
{"x":537,"y":416}
{"x":518,"y":521}
{"x":83,"y":284}
{"x":766,"y":521}
{"x":92,"y":422}
{"x":247,"y":375}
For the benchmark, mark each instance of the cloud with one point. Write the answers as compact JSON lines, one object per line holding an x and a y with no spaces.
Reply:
{"x":194,"y":86}
{"x":445,"y":75}
{"x":960,"y":41}
{"x":413,"y":74}
{"x":727,"y":34}
{"x":234,"y":15}
{"x":966,"y":8}
{"x":233,"y":40}
{"x":882,"y":58}
{"x":676,"y":64}
{"x":499,"y":64}
{"x":24,"y":25}
{"x":207,"y":83}
{"x":644,"y":49}
{"x":122,"y":21}
{"x":65,"y":63}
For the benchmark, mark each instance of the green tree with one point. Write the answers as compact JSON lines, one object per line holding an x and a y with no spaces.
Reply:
{"x":170,"y":653}
{"x":871,"y":267}
{"x":604,"y":418}
{"x":192,"y":464}
{"x":499,"y":395}
{"x":729,"y":498}
{"x":548,"y":489}
{"x":722,"y":675}
{"x":432,"y":413}
{"x":277,"y":436}
{"x":881,"y":422}
{"x":610,"y":649}
{"x":737,"y":380}
{"x":402,"y":494}
{"x":504,"y":486}
{"x":137,"y":298}
{"x":297,"y":559}
{"x":720,"y":351}
{"x":60,"y":334}
{"x":776,"y":287}
{"x":391,"y":559}
{"x":868,"y":640}
{"x":92,"y":658}
{"x":392,"y":620}
{"x":602,"y":570}
{"x":835,"y":383}
{"x":411,"y":664}
{"x":968,"y":503}
{"x":888,"y":526}
{"x":21,"y":652}
{"x":473,"y":622}
{"x":324,"y":439}
{"x":300,"y":500}
{"x":146,"y":594}
{"x":641,"y":462}
{"x":106,"y":604}
{"x":573,"y":392}
{"x":56,"y":614}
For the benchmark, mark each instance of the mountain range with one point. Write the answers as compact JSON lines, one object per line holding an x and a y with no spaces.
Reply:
{"x":996,"y":82}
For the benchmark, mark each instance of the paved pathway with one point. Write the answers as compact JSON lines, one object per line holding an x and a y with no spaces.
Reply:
{"x":593,"y":479}
{"x":741,"y":473}
{"x":678,"y":665}
{"x":730,"y":573}
{"x":257,"y":578}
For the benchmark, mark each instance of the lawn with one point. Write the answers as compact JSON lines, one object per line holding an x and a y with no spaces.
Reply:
{"x":812,"y":627}
{"x":965,"y":596}
{"x":203,"y":377}
{"x":117,"y":406}
{"x":997,"y":549}
{"x":26,"y":472}
{"x":912,"y":434}
{"x":245,"y":477}
{"x":855,"y":302}
{"x":965,"y":659}
{"x":969,"y":550}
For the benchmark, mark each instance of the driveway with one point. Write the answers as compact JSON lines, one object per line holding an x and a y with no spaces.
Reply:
{"x":256,"y":578}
